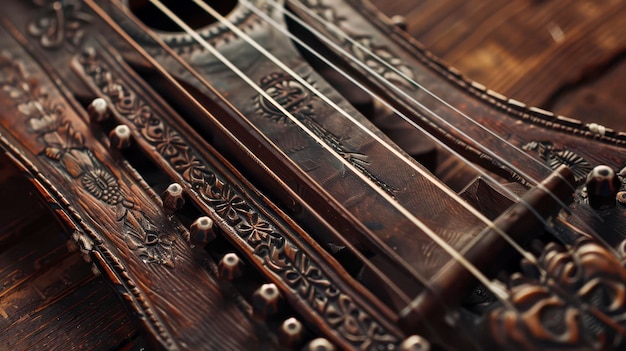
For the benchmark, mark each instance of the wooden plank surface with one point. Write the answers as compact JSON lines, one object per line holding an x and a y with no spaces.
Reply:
{"x":563,"y":55}
{"x":49,"y":297}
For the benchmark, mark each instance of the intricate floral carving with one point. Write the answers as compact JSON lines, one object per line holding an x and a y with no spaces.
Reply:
{"x":579,"y":304}
{"x":66,"y":148}
{"x":269,"y":245}
{"x":289,"y":93}
{"x":556,"y":157}
{"x":59,"y":21}
{"x":296,"y":99}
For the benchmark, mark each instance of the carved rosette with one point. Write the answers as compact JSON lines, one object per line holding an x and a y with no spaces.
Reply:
{"x":556,"y":157}
{"x":579,"y":304}
{"x":270,"y":246}
{"x":65,"y":147}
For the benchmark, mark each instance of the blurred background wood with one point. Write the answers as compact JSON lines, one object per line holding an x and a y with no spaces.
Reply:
{"x":568,"y":56}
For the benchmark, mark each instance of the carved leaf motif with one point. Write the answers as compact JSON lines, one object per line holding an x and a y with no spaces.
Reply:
{"x":148,"y":242}
{"x":60,"y":20}
{"x":46,"y":123}
{"x":66,"y":146}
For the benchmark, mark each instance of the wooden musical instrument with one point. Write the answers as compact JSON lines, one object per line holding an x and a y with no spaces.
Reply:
{"x":268,"y":175}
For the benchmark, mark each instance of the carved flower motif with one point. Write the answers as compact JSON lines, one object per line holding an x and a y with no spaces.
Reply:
{"x":307,"y":279}
{"x":256,"y":230}
{"x":354,"y":325}
{"x":143,"y":237}
{"x":102,"y":185}
{"x":229,"y":205}
{"x":170,"y":144}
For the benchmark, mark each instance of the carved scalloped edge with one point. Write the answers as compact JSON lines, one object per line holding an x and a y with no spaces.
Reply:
{"x":99,"y":252}
{"x":216,"y":34}
{"x":512,"y":107}
{"x":277,"y":254}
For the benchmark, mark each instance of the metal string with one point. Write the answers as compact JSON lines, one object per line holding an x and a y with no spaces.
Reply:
{"x":269,"y":99}
{"x":202,"y":79}
{"x":497,"y":290}
{"x":337,"y":30}
{"x":305,"y":25}
{"x":100,"y":12}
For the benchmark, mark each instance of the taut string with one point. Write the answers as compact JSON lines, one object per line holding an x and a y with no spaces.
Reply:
{"x":497,"y":290}
{"x":100,"y":12}
{"x":338,"y":30}
{"x":343,"y":51}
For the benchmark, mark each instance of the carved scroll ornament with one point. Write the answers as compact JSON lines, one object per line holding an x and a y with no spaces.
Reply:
{"x":575,"y":301}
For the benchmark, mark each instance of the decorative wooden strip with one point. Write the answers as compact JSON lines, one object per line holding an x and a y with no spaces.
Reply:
{"x":304,"y":275}
{"x":132,"y":236}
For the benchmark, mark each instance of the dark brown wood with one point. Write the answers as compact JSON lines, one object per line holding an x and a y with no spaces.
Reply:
{"x":317,"y":230}
{"x":564,"y":56}
{"x":50,"y":297}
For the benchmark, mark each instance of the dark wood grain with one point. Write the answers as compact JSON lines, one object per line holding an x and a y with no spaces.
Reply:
{"x":49,"y":296}
{"x":563,"y":55}
{"x":357,"y":241}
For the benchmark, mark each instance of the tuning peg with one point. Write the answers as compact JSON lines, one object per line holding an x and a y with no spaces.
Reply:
{"x":265,"y":300}
{"x":172,"y":197}
{"x":98,"y":110}
{"x":230,"y":267}
{"x":400,"y":22}
{"x":415,"y":343}
{"x":319,"y":344}
{"x":602,"y":187}
{"x":291,"y":332}
{"x":120,"y":137}
{"x":201,"y":231}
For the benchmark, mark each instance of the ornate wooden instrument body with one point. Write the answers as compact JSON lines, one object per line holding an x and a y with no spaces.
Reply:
{"x":180,"y":156}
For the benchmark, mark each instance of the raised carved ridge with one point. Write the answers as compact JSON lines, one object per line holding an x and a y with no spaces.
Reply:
{"x":298,"y":273}
{"x":329,"y":14}
{"x":512,"y":107}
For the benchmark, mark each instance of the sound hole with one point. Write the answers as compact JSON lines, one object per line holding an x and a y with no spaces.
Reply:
{"x":188,"y":11}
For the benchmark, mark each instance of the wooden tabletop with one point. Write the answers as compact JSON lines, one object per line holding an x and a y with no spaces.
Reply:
{"x":568,"y":56}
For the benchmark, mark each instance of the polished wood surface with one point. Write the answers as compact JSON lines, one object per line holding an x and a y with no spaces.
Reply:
{"x":316,"y":230}
{"x":566,"y":56}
